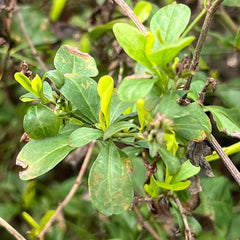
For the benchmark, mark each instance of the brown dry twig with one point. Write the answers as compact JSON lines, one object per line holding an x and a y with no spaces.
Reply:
{"x":72,"y":191}
{"x":188,"y":234}
{"x":131,"y":15}
{"x":11,"y":230}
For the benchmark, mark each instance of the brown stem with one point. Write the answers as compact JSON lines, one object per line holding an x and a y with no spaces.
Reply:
{"x":208,"y":19}
{"x":145,"y":224}
{"x":71,"y":193}
{"x":132,"y":16}
{"x":11,"y":230}
{"x":30,"y":43}
{"x":188,"y":234}
{"x":226,"y":160}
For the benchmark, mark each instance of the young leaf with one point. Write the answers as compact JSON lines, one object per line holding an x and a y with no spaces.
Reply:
{"x":142,"y":113}
{"x":165,"y":54}
{"x":143,"y":10}
{"x":40,"y":156}
{"x":37,"y":86}
{"x":110,"y":185}
{"x":83,"y":136}
{"x":170,"y":138}
{"x":40,"y":122}
{"x":24,"y":81}
{"x":116,"y":127}
{"x":152,"y":189}
{"x":105,"y":91}
{"x":171,"y":20}
{"x":187,"y":170}
{"x":70,"y":60}
{"x":175,"y":186}
{"x":55,"y":76}
{"x":82,"y":93}
{"x":132,"y":41}
{"x":130,"y":90}
{"x":172,"y":162}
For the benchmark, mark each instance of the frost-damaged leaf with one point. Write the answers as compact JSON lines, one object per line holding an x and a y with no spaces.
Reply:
{"x":40,"y":156}
{"x":110,"y":185}
{"x":70,"y":60}
{"x":83,"y":136}
{"x":227,"y":120}
{"x":82,"y":93}
{"x":171,"y":20}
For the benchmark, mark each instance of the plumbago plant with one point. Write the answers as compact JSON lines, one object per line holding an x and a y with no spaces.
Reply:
{"x":71,"y":109}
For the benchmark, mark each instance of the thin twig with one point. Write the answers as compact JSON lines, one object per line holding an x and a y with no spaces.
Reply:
{"x":30,"y":43}
{"x":208,"y":19}
{"x":226,"y":160}
{"x":72,"y":191}
{"x":145,"y":224}
{"x":188,"y":234}
{"x":11,"y":230}
{"x":132,"y":16}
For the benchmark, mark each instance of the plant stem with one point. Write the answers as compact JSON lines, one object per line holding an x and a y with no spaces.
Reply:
{"x":188,"y":234}
{"x":145,"y":224}
{"x":193,"y":24}
{"x":71,"y":193}
{"x":11,"y":230}
{"x":132,"y":16}
{"x":226,"y":160}
{"x":208,"y":19}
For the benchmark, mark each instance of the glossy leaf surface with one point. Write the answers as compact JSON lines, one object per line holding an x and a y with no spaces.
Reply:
{"x":83,"y":136}
{"x":40,"y":156}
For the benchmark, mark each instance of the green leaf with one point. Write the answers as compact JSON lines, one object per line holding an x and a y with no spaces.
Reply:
{"x":29,"y":97}
{"x":190,"y":121}
{"x":172,"y":162}
{"x":37,"y":86}
{"x":142,"y":113}
{"x":132,"y":41}
{"x":170,"y":138}
{"x":226,"y":120}
{"x":24,"y":81}
{"x":56,"y":77}
{"x":83,"y":136}
{"x":171,"y":20}
{"x":105,"y":91}
{"x":166,"y":53}
{"x":110,"y":185}
{"x":130,"y":90}
{"x":187,"y":170}
{"x":117,"y":107}
{"x":143,"y":10}
{"x":40,"y":122}
{"x":116,"y":127}
{"x":70,"y":60}
{"x":28,"y":218}
{"x":56,"y":10}
{"x":82,"y":93}
{"x":152,"y":189}
{"x":175,"y":186}
{"x":46,"y":218}
{"x":40,"y":156}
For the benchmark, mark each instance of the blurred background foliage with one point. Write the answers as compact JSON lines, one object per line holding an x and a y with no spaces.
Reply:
{"x":87,"y":25}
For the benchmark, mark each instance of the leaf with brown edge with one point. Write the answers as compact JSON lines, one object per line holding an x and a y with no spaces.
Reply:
{"x":70,"y":60}
{"x":40,"y":156}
